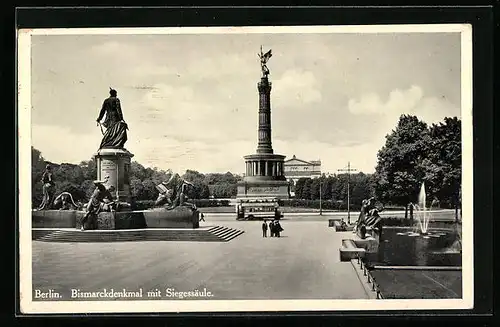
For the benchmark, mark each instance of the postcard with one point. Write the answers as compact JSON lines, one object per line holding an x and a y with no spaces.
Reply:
{"x":255,"y":169}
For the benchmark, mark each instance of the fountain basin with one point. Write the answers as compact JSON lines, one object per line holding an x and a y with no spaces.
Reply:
{"x":404,"y":247}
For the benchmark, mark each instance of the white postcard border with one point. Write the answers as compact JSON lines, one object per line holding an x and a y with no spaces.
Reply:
{"x":27,"y":305}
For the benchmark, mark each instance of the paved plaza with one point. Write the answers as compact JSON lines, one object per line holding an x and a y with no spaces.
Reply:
{"x":302,"y":264}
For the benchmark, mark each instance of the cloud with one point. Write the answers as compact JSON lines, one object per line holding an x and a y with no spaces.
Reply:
{"x":185,"y":113}
{"x":433,"y":109}
{"x":410,"y":101}
{"x":296,"y":88}
{"x":161,"y":95}
{"x":397,"y":101}
{"x":224,"y":65}
{"x":62,"y":144}
{"x":113,"y":48}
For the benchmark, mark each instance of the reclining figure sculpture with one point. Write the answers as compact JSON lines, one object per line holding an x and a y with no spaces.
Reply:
{"x":173,"y":193}
{"x":368,"y":217}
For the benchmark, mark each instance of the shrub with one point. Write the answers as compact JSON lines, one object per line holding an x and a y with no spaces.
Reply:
{"x":315,"y":204}
{"x":200,"y":203}
{"x":397,"y":222}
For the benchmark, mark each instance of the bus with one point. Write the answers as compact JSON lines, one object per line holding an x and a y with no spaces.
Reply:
{"x":258,"y":209}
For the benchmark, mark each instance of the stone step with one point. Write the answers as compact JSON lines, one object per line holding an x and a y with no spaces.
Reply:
{"x":216,"y":229}
{"x":226,"y":233}
{"x":234,"y":235}
{"x":221,"y":234}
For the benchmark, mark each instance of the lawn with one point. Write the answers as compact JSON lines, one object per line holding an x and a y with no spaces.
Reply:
{"x":419,"y":284}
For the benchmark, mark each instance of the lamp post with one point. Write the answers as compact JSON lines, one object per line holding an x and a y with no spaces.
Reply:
{"x":321,"y":193}
{"x":348,"y":171}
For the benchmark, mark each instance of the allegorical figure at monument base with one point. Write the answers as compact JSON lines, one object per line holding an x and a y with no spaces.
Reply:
{"x":48,"y":189}
{"x":173,"y":193}
{"x":115,"y":135}
{"x":101,"y":200}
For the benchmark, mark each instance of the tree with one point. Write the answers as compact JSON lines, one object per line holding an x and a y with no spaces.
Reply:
{"x":137,"y":171}
{"x":334,"y":187}
{"x":444,"y":164}
{"x":193,"y":176}
{"x":87,"y":188}
{"x":37,"y":167}
{"x":149,"y":191}
{"x":89,"y":169}
{"x":77,"y":192}
{"x":306,"y":191}
{"x":136,"y":188}
{"x":400,"y":168}
{"x":361,"y":188}
{"x":198,"y":191}
{"x":299,"y":188}
{"x":341,"y":187}
{"x":222,"y":185}
{"x":326,"y":188}
{"x":203,"y":191}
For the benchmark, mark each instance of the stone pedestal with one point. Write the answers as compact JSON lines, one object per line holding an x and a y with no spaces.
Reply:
{"x":114,"y":164}
{"x":264,"y":177}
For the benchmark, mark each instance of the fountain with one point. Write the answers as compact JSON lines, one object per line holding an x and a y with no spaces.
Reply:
{"x":423,"y":218}
{"x":422,"y":214}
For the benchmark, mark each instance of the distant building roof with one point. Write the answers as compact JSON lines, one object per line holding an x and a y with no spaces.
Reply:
{"x":312,"y":162}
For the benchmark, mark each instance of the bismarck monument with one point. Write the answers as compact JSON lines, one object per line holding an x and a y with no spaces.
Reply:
{"x":111,"y":205}
{"x":264,"y":176}
{"x":113,"y":160}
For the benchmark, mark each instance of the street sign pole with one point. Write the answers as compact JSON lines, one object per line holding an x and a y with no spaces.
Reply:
{"x":348,"y":171}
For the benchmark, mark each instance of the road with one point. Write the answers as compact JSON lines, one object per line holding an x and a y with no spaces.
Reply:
{"x":303,"y":264}
{"x":435,"y":215}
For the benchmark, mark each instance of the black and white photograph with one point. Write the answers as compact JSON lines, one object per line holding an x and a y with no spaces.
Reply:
{"x":205,"y":169}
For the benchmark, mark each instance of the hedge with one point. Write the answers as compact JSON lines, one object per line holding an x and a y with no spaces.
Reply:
{"x":315,"y":204}
{"x":398,"y":222}
{"x":200,"y":203}
{"x":405,"y":222}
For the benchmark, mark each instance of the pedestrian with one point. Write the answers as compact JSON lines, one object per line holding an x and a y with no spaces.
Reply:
{"x":202,"y":216}
{"x":277,"y":228}
{"x":264,"y":229}
{"x":412,"y":207}
{"x":343,"y":225}
{"x":271,"y":228}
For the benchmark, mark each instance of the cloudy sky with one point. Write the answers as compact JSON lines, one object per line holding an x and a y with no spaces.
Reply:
{"x":191,"y":101}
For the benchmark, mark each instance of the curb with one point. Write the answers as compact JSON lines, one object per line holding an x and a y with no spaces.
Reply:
{"x":369,"y":284}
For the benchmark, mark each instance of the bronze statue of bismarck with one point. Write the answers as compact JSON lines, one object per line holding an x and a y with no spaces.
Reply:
{"x":115,"y":135}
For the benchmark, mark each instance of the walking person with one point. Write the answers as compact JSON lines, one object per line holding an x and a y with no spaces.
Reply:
{"x":202,"y":216}
{"x":264,"y":229}
{"x":271,"y":228}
